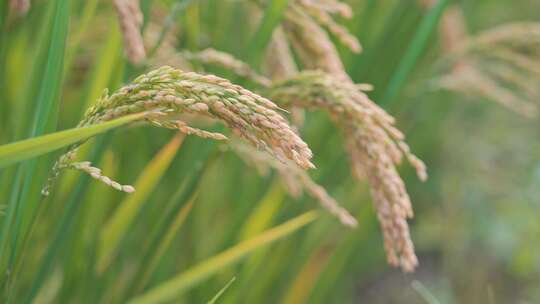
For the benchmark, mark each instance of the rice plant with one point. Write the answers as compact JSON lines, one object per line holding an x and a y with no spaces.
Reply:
{"x":186,"y":151}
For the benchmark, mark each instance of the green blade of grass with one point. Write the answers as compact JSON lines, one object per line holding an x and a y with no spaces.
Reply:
{"x":107,"y":62}
{"x":33,"y":147}
{"x":164,"y":244}
{"x":180,"y":283}
{"x":417,"y":46}
{"x":265,"y":212}
{"x":113,"y":231}
{"x":221,"y":291}
{"x":302,"y":286}
{"x":169,"y":22}
{"x":424,"y":292}
{"x":47,"y":98}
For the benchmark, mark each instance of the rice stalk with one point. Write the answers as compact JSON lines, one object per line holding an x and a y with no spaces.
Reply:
{"x":165,"y":93}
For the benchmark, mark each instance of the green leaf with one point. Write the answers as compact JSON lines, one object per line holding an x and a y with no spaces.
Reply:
{"x":272,"y":17}
{"x":117,"y":227}
{"x":183,"y":281}
{"x":33,"y":147}
{"x":417,"y":46}
{"x":221,"y":291}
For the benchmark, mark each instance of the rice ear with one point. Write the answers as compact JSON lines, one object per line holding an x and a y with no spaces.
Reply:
{"x":375,"y":148}
{"x":166,"y":92}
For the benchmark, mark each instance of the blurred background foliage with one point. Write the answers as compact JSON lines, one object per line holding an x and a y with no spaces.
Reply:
{"x":475,"y":229}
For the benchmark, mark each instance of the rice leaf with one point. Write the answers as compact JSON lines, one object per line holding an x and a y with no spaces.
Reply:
{"x":221,"y":291}
{"x":33,"y":147}
{"x":272,"y":17}
{"x":117,"y":227}
{"x":183,"y":281}
{"x":417,"y":46}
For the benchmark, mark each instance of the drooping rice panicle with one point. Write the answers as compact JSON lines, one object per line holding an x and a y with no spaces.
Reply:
{"x":166,"y":93}
{"x":374,"y":145}
{"x":130,"y":18}
{"x":375,"y":148}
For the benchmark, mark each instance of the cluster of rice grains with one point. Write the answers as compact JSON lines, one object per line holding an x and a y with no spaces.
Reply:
{"x":165,"y":93}
{"x":375,"y":147}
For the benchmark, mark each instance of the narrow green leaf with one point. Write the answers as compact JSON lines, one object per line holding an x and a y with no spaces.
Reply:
{"x":272,"y":17}
{"x":117,"y":227}
{"x":29,"y":148}
{"x":46,"y":102}
{"x":65,"y":226}
{"x":164,"y":244}
{"x":264,"y":213}
{"x":417,"y":46}
{"x":221,"y":291}
{"x":169,"y":22}
{"x":180,"y":283}
{"x":424,"y":292}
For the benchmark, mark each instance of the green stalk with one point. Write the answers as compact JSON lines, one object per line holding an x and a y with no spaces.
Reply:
{"x":416,"y":48}
{"x":272,"y":17}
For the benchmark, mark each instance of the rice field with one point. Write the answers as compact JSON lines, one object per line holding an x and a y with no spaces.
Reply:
{"x":269,"y":151}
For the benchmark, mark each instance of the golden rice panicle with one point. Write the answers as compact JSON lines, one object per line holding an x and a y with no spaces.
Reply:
{"x":375,"y":147}
{"x":131,"y":19}
{"x":166,"y":93}
{"x":296,"y":181}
